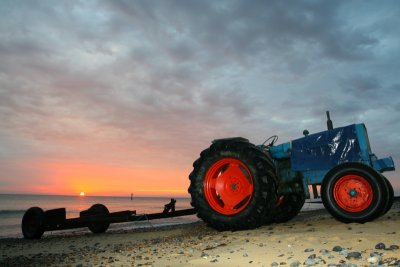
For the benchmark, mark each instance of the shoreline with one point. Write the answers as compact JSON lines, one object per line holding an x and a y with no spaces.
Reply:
{"x":14,"y":230}
{"x":313,"y":238}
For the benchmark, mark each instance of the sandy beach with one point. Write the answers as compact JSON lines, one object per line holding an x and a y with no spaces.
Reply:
{"x":313,"y":238}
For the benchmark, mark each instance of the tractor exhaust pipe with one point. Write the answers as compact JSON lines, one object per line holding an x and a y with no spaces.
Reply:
{"x":329,"y":122}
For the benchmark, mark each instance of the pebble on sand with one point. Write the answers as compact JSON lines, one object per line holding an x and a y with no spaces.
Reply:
{"x":295,"y":264}
{"x":337,"y":248}
{"x":354,"y":255}
{"x":374,"y":259}
{"x":380,"y":246}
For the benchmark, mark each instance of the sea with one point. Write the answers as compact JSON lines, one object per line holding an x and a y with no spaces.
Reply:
{"x":13,"y":207}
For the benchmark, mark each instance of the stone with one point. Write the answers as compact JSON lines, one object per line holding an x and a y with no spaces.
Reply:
{"x":204,"y":255}
{"x":374,"y":259}
{"x":337,"y":248}
{"x":372,"y":254}
{"x":312,"y":256}
{"x":310,"y":262}
{"x":324,"y":252}
{"x":354,"y":255}
{"x":380,"y":246}
{"x":344,"y":252}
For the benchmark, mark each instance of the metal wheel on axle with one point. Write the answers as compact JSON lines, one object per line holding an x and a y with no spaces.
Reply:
{"x":33,"y":223}
{"x":228,"y":186}
{"x":101,"y":226}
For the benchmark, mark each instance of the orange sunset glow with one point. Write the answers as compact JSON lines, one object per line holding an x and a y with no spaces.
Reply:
{"x":69,"y":178}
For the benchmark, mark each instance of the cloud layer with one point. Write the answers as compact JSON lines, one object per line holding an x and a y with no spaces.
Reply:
{"x":148,"y":84}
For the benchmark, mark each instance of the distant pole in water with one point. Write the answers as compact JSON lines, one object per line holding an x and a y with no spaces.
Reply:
{"x":131,"y":196}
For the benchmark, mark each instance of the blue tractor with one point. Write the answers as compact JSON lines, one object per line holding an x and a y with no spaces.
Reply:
{"x":238,"y":185}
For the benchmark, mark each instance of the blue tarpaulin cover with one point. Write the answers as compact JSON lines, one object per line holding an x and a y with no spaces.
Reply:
{"x":326,"y":149}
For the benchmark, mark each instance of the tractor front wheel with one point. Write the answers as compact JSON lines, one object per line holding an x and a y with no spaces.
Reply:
{"x":354,"y":192}
{"x":233,"y":186}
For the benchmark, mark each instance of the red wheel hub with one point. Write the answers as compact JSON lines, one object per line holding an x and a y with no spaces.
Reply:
{"x":228,"y":186}
{"x":353,"y":193}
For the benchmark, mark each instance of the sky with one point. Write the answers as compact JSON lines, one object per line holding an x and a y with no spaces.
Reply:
{"x":120,"y":97}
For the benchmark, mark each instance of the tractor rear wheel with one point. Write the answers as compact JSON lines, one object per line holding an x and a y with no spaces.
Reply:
{"x":354,"y":192}
{"x":288,"y":207}
{"x":233,"y":185}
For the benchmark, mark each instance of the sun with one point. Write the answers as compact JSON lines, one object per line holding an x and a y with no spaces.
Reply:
{"x":82,"y":194}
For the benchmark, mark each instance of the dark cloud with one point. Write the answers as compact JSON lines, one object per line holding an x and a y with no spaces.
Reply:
{"x":360,"y":85}
{"x":237,"y":28}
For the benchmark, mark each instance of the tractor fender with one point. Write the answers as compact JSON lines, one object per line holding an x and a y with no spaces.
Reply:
{"x":230,"y":139}
{"x":218,"y":144}
{"x":226,"y":142}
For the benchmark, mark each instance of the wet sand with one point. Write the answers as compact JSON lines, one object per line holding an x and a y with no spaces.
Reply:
{"x":313,"y":238}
